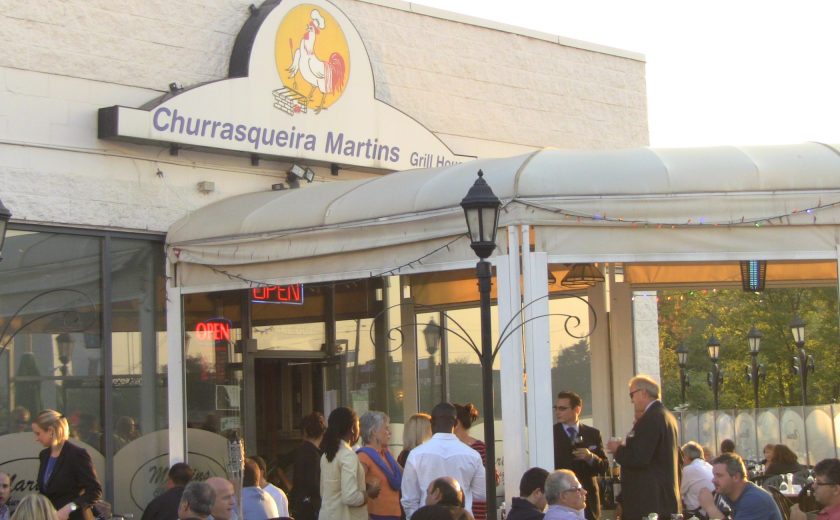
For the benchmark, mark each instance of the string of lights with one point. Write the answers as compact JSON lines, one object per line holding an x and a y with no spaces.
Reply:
{"x":782,"y":218}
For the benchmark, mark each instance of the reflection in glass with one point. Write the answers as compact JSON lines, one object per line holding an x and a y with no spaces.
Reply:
{"x":571,"y":361}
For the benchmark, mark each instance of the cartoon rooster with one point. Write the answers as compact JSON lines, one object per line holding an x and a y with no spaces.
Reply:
{"x":327,"y":77}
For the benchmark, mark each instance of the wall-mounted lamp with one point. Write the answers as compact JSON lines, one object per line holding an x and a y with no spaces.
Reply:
{"x":297,"y":172}
{"x":334,"y":169}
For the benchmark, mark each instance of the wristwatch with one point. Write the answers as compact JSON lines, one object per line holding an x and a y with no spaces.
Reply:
{"x":73,"y":507}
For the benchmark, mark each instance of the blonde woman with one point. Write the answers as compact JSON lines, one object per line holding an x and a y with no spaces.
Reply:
{"x":35,"y":507}
{"x":417,"y":430}
{"x":66,"y":475}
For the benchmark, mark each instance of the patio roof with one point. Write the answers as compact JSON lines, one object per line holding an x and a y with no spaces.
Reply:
{"x":644,"y":204}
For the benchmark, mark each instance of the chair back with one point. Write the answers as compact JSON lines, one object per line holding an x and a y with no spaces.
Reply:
{"x":782,"y":502}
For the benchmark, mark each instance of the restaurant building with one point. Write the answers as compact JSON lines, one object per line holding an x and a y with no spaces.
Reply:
{"x":226,"y":216}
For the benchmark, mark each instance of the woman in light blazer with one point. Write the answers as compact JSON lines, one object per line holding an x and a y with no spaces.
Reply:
{"x":343,"y":493}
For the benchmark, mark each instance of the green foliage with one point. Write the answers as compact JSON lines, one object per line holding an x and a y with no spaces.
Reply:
{"x":692,"y":316}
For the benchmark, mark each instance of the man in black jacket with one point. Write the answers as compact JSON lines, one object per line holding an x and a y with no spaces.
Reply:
{"x":165,"y":506}
{"x":530,"y":503}
{"x":650,"y":456}
{"x":579,"y":448}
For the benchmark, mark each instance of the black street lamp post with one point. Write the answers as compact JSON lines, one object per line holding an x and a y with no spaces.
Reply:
{"x":756,"y":370}
{"x":481,"y":208}
{"x":682,"y":359}
{"x":715,"y":377}
{"x":802,"y":362}
{"x":432,"y":335}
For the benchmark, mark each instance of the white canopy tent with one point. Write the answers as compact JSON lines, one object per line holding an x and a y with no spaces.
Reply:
{"x":635,"y":205}
{"x":625,"y":205}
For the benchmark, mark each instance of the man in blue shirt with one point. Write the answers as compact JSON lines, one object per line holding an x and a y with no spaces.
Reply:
{"x":747,"y":501}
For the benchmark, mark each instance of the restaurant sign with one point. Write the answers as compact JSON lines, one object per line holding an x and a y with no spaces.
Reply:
{"x":300,"y":86}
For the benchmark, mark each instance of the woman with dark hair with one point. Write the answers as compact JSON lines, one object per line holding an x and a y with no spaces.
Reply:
{"x":783,"y":460}
{"x":305,"y":496}
{"x":467,"y":415}
{"x":343,"y":491}
{"x":66,"y":475}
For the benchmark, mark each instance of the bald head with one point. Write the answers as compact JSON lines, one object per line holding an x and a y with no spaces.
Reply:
{"x":223,"y":505}
{"x":445,"y":491}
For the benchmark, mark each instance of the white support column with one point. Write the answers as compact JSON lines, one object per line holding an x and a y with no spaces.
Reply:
{"x":602,"y":367}
{"x":537,"y":357}
{"x":515,"y":450}
{"x":175,"y":370}
{"x":622,"y":354}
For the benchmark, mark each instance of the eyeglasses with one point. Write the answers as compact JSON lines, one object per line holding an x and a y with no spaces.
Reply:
{"x":578,"y":489}
{"x":633,"y":392}
{"x":818,"y":483}
{"x":560,"y":408}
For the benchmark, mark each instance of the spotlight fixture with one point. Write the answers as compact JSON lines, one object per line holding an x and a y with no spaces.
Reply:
{"x":334,"y":169}
{"x":297,"y":172}
{"x":582,"y":275}
{"x":175,"y":87}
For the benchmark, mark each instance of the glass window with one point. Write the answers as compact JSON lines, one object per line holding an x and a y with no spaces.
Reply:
{"x":571,"y":361}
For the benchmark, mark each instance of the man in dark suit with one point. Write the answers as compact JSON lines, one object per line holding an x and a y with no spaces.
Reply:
{"x":578,"y":447}
{"x":165,"y":505}
{"x":649,"y":457}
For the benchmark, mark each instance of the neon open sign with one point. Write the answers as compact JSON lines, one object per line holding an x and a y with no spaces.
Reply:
{"x":216,"y":329}
{"x":288,"y":294}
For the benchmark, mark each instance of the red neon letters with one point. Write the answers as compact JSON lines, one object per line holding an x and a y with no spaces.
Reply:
{"x":278,"y":294}
{"x":215,"y":330}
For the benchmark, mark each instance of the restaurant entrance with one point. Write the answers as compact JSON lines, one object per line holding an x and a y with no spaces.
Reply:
{"x":286,"y":389}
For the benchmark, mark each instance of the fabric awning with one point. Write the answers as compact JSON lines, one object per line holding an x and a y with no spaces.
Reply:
{"x":636,"y":204}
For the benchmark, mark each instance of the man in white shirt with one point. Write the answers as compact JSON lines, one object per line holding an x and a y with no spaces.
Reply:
{"x":256,"y":503}
{"x":276,"y":493}
{"x":696,"y":476}
{"x":442,"y":456}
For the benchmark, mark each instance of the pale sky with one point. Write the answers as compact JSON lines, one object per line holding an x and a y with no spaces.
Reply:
{"x":718,"y":72}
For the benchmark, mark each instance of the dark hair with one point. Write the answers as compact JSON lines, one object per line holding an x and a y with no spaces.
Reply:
{"x":734,"y":464}
{"x":313,"y":425}
{"x":181,"y":473}
{"x":260,"y":463}
{"x":467,"y":414}
{"x":433,"y":512}
{"x":784,"y":455}
{"x":727,"y":446}
{"x":532,"y":480}
{"x":574,"y":399}
{"x":449,"y":494}
{"x":444,"y":416}
{"x":199,"y":497}
{"x":340,"y":423}
{"x":250,"y":472}
{"x":828,"y":469}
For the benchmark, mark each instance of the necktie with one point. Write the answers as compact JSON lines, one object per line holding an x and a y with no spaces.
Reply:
{"x":571,"y":432}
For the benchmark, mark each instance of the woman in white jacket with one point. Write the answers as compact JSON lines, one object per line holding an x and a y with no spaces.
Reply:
{"x":343,"y":492}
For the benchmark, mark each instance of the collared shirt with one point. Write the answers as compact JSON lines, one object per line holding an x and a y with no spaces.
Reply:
{"x":575,"y":426}
{"x":695,"y":476}
{"x":279,"y":498}
{"x":754,"y":504}
{"x":257,"y":504}
{"x":829,"y":513}
{"x":558,"y":512}
{"x":441,"y":456}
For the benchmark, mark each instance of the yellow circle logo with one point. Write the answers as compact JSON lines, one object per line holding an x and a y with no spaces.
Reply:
{"x":313,"y":60}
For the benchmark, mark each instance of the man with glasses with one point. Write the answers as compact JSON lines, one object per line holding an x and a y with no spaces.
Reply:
{"x":649,"y":456}
{"x":578,"y":447}
{"x":565,"y":496}
{"x":826,"y":491}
